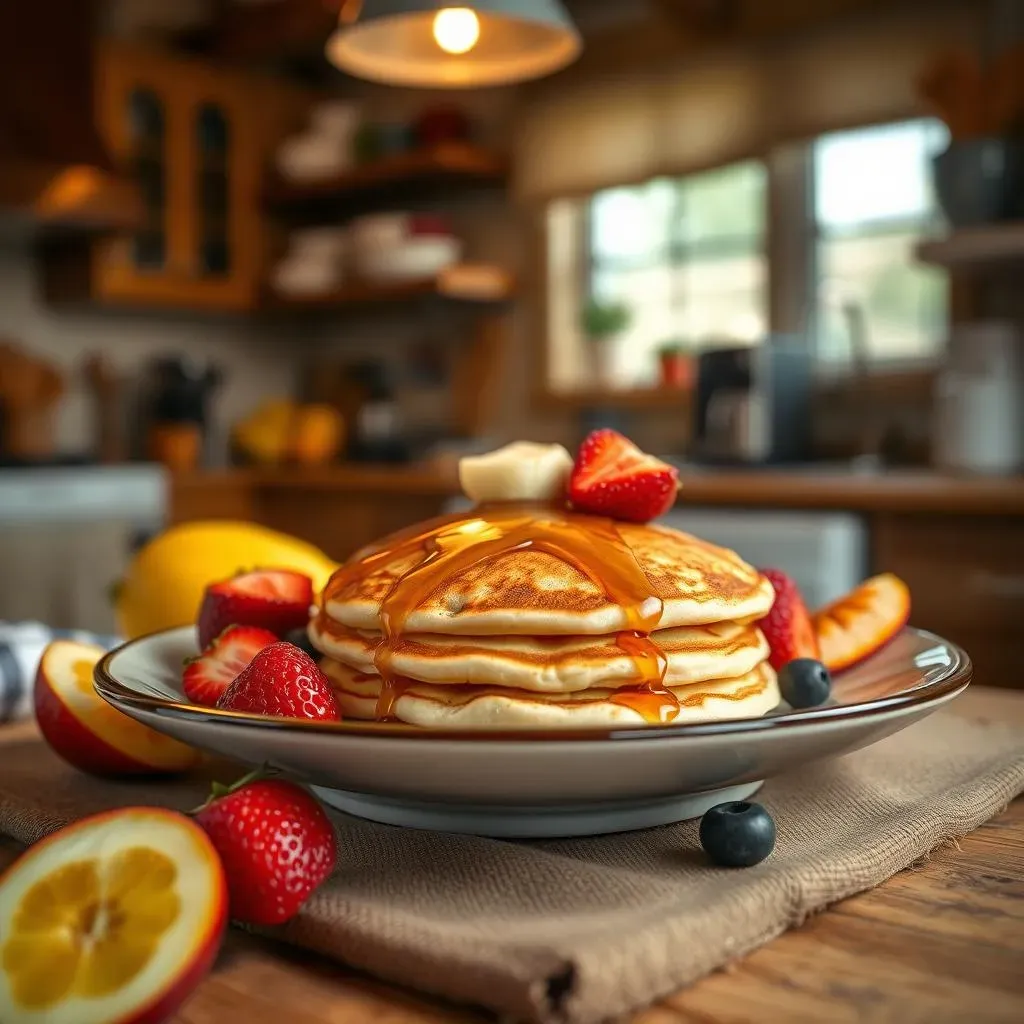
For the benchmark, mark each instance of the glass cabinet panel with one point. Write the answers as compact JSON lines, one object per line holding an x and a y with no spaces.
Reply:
{"x":213,"y":192}
{"x":147,"y":132}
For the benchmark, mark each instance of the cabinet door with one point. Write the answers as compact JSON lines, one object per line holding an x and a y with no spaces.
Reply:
{"x":139,"y":106}
{"x":197,"y":137}
{"x":221,"y":170}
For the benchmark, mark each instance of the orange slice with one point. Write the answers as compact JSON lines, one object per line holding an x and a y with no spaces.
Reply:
{"x":112,"y":920}
{"x":87,"y":731}
{"x":863,"y":621}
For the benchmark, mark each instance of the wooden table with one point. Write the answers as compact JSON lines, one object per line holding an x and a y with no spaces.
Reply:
{"x":942,"y":941}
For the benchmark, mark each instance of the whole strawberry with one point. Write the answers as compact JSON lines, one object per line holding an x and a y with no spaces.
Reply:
{"x":282,"y":680}
{"x":787,"y":627}
{"x":275,"y":842}
{"x":274,"y":599}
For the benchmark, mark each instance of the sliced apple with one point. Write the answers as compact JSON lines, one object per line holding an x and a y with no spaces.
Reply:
{"x":81,"y":727}
{"x":112,"y":920}
{"x":862,"y":622}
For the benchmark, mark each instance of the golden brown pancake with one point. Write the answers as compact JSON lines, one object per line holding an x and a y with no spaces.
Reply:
{"x":747,"y":696}
{"x":525,"y":615}
{"x":547,"y":664}
{"x":543,"y":572}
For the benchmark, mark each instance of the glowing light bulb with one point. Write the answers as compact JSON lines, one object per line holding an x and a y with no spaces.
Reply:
{"x":456,"y":29}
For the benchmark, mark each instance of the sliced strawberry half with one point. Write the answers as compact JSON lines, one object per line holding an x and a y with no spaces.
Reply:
{"x":275,"y":599}
{"x":787,"y":627}
{"x":612,"y":477}
{"x":205,"y":678}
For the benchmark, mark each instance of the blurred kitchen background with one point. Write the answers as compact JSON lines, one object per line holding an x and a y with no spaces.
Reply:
{"x":287,"y":260}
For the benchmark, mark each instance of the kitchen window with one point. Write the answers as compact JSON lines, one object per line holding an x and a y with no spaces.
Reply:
{"x":686,"y":255}
{"x":690,"y":256}
{"x":872,"y":201}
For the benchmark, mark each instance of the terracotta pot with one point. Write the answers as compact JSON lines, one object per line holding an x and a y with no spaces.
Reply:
{"x":177,"y":445}
{"x":676,"y":369}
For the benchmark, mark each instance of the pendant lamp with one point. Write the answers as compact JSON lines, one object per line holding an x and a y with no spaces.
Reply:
{"x":453,"y":45}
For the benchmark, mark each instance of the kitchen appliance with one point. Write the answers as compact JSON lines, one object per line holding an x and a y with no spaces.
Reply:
{"x":377,"y":433}
{"x":67,"y":535}
{"x":754,"y":404}
{"x":826,"y":553}
{"x":979,"y":400}
{"x":176,"y":399}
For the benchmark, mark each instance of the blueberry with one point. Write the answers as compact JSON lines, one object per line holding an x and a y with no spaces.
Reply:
{"x":737,"y":834}
{"x":805,"y":683}
{"x":299,"y":638}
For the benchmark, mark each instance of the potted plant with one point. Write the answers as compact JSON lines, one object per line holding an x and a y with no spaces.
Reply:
{"x":601,"y":323}
{"x":675,"y":364}
{"x":979,"y":177}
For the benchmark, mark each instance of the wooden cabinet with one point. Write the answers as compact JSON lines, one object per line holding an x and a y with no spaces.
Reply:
{"x":197,"y":138}
{"x":966,"y":575}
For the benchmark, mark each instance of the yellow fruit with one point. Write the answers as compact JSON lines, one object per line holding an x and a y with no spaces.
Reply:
{"x":317,"y":433}
{"x":263,"y":435}
{"x":165,"y":582}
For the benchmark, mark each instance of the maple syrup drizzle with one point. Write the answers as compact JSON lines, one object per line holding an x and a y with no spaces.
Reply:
{"x":391,"y":688}
{"x":593,"y":546}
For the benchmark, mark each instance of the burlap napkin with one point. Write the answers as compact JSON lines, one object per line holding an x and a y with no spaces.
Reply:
{"x":585,"y":930}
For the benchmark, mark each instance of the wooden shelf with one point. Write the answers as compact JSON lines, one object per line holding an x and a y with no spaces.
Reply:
{"x":406,"y":175}
{"x":632,"y":398}
{"x":984,"y":246}
{"x":364,"y":293}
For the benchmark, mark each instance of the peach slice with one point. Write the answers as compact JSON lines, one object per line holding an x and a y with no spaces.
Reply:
{"x":81,"y":727}
{"x":862,"y":621}
{"x":112,"y":920}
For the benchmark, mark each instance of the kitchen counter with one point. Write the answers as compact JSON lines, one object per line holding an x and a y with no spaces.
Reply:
{"x":77,"y":494}
{"x":811,"y":487}
{"x":67,"y":532}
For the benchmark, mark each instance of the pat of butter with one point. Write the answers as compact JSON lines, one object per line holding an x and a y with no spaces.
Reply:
{"x":521,"y":471}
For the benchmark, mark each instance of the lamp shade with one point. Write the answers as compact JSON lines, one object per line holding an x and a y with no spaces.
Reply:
{"x":453,"y":43}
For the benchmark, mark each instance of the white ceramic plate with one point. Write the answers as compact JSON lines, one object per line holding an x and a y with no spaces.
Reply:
{"x":534,"y":783}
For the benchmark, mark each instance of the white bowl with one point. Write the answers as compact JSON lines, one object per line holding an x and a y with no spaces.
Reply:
{"x":531,"y":783}
{"x":305,"y":158}
{"x":337,"y":119}
{"x":329,"y":243}
{"x":418,"y":257}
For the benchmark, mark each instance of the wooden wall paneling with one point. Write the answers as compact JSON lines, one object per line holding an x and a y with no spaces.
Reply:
{"x":340,"y":522}
{"x":205,"y":495}
{"x":476,"y":375}
{"x":966,"y":577}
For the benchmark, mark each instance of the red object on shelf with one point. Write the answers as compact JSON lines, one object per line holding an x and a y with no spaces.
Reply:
{"x":676,"y":370}
{"x":441,"y":124}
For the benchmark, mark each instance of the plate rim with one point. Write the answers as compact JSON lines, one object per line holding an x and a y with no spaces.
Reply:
{"x":954,"y":677}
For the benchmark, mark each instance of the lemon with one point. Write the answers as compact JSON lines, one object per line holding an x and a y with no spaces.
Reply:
{"x":164,"y":584}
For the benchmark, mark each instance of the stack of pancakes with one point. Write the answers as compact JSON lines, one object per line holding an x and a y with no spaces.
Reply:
{"x":449,"y":626}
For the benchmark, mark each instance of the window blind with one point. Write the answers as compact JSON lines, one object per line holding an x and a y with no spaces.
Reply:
{"x":580,"y":133}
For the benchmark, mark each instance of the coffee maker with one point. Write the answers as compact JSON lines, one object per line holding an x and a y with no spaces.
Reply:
{"x":753,"y":404}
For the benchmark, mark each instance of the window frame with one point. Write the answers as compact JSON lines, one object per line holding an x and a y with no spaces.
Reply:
{"x":791,"y":238}
{"x":678,"y":253}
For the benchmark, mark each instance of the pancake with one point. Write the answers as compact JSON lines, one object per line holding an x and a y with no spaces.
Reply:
{"x":547,"y":664}
{"x":444,"y":707}
{"x":542,"y":572}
